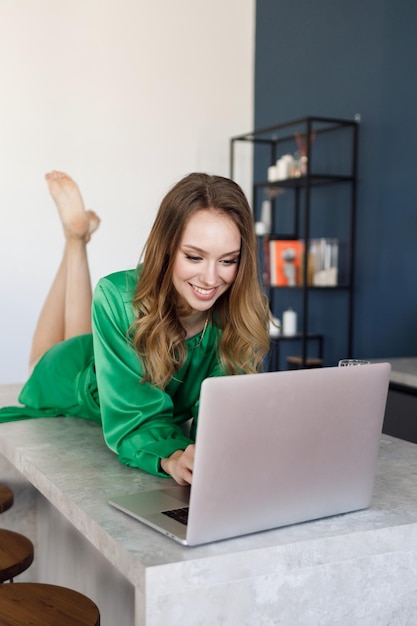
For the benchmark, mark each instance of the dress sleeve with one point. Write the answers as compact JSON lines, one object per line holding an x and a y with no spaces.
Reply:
{"x":138,"y":418}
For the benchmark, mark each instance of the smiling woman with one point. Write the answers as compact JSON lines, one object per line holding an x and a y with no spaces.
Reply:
{"x":193,"y":308}
{"x":206,"y":263}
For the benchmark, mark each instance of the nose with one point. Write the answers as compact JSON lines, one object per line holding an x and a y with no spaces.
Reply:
{"x":209,"y":274}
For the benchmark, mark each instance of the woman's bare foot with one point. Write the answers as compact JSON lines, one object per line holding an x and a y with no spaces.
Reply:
{"x":77,"y":222}
{"x":93,"y":224}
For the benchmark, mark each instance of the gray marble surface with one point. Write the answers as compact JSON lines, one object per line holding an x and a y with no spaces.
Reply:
{"x":355,"y":568}
{"x":404,"y":371}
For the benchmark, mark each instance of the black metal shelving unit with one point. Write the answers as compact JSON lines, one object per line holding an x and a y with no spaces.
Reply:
{"x":331,"y":149}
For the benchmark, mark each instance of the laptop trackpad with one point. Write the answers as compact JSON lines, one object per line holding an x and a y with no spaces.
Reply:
{"x":178,"y":492}
{"x":153,"y":501}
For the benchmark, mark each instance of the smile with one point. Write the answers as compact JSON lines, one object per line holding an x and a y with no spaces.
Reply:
{"x":203,"y":292}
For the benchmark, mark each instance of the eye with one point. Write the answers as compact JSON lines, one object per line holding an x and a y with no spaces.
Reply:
{"x":190,"y":257}
{"x":228,"y":262}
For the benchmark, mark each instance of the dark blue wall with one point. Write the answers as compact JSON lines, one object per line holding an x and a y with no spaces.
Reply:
{"x":336,"y":58}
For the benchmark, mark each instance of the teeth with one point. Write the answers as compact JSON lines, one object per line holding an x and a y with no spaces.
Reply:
{"x":203,"y":292}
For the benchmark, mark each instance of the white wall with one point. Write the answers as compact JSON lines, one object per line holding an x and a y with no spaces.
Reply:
{"x":125,"y":95}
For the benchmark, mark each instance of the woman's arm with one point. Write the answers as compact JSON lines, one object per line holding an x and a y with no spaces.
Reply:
{"x":138,"y":418}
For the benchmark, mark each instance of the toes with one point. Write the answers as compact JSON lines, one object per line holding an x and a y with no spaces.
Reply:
{"x":56,"y":175}
{"x":94,"y":221}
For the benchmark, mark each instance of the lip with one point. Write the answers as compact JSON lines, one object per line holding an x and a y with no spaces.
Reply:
{"x":203,"y":294}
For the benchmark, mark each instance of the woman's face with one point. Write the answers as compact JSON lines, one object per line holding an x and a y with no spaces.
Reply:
{"x":207,"y":259}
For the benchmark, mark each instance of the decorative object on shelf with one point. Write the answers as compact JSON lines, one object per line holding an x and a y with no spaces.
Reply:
{"x":301,"y":156}
{"x":283,"y":169}
{"x":289,"y":322}
{"x":272,"y":173}
{"x":291,"y":166}
{"x":263,"y":227}
{"x":274,"y":327}
{"x":323,"y":262}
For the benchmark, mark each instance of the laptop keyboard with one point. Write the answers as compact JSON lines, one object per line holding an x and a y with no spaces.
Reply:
{"x":181,"y":515}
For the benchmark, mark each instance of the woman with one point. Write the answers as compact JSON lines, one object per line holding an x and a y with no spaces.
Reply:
{"x":193,"y":309}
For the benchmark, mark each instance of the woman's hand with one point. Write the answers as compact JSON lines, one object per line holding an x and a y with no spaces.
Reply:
{"x":180,"y":465}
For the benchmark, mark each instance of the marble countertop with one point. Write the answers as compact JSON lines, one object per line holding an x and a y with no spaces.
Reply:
{"x":403,"y":371}
{"x":67,"y":460}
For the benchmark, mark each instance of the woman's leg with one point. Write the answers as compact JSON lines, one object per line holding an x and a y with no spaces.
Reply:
{"x":67,"y":308}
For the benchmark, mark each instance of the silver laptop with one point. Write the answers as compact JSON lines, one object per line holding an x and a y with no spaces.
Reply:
{"x":274,"y":449}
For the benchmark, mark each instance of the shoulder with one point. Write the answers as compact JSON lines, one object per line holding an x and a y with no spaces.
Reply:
{"x":124,"y":282}
{"x":114,"y":293}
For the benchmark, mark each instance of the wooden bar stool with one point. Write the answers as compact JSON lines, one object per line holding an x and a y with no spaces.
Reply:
{"x":39,"y":604}
{"x":16,"y":554}
{"x":6,"y":498}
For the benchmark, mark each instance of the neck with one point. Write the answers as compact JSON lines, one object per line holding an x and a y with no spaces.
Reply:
{"x":195,"y":323}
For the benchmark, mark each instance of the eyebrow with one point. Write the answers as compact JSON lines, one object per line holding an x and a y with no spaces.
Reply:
{"x":201,"y":251}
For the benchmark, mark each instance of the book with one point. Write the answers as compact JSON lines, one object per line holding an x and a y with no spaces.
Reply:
{"x":266,"y":262}
{"x":286,"y":262}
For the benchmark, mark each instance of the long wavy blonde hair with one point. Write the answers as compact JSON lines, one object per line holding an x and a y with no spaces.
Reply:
{"x":242,"y":312}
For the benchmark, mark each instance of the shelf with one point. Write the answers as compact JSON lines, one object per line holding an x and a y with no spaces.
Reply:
{"x":272,"y":134}
{"x":313,"y":180}
{"x":326,"y":153}
{"x":297,"y":337}
{"x":310,"y":287}
{"x":274,"y":354}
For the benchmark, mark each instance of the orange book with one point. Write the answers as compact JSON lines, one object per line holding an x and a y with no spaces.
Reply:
{"x":266,"y":262}
{"x":286,"y":262}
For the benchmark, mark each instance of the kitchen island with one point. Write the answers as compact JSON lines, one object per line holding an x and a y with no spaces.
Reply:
{"x":401,"y":412}
{"x":357,"y":568}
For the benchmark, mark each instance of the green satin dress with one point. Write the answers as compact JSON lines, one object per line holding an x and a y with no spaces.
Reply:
{"x":97,"y":377}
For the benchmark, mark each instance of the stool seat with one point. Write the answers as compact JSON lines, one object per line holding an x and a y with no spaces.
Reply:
{"x":39,"y":604}
{"x":16,"y":554}
{"x":6,"y":498}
